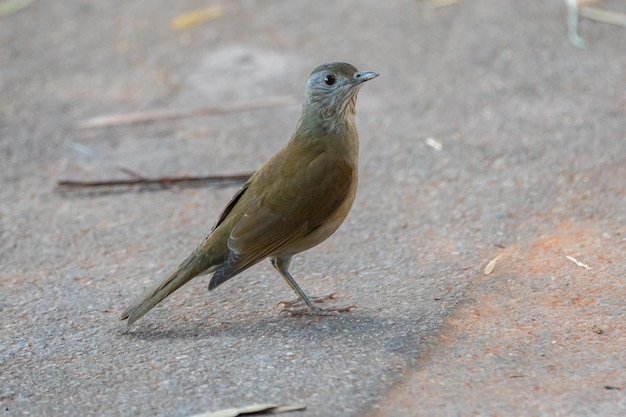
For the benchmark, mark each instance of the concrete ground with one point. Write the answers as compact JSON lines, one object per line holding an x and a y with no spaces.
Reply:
{"x":531,"y":171}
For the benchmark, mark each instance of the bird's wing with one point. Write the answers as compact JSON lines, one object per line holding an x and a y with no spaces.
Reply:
{"x":291,"y":208}
{"x":231,"y":204}
{"x":287,"y":210}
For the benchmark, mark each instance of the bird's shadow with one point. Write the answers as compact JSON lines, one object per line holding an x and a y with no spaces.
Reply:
{"x":362,"y":324}
{"x":199,"y":329}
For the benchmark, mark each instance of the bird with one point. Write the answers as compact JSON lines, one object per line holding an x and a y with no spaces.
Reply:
{"x":295,"y":201}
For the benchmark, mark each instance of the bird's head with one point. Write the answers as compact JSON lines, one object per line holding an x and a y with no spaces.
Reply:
{"x":331,"y":92}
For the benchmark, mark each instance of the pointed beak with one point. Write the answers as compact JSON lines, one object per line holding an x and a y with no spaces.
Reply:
{"x":361,"y":77}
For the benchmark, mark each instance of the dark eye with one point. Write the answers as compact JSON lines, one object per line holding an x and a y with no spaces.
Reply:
{"x":329,"y":79}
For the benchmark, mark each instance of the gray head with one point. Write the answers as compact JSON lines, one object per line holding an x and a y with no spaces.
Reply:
{"x":332,"y":89}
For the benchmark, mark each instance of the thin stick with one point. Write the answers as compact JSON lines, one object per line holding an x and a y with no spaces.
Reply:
{"x":152,"y":115}
{"x":149,"y":181}
{"x":604,"y":16}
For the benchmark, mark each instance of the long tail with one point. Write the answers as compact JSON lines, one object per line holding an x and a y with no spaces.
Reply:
{"x":190,"y":268}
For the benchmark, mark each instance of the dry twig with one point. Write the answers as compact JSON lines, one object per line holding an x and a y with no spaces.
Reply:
{"x":153,"y":115}
{"x":64,"y":185}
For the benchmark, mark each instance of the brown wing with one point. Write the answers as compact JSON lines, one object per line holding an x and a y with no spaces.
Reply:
{"x":233,"y":201}
{"x":287,"y":211}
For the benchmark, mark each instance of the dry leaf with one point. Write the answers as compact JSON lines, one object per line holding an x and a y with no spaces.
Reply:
{"x":597,"y":329}
{"x":195,"y":17}
{"x":491,"y":265}
{"x":11,"y":6}
{"x":270,"y":408}
{"x":443,"y":3}
{"x":434,"y":143}
{"x":578,"y":263}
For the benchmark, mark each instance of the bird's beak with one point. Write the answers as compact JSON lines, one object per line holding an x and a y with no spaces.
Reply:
{"x":361,"y":77}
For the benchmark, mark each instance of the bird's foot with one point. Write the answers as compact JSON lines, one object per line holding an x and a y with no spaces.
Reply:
{"x":298,"y":307}
{"x":317,"y":311}
{"x":299,"y":302}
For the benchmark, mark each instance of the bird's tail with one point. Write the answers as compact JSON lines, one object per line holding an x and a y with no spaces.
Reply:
{"x":191,"y":267}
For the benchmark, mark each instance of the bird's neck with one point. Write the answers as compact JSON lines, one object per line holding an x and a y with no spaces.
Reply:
{"x":327,"y":120}
{"x":335,"y":134}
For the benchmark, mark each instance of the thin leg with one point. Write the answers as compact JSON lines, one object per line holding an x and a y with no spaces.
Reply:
{"x":282,"y":266}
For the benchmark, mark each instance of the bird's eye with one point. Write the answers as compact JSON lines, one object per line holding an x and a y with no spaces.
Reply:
{"x":329,"y":79}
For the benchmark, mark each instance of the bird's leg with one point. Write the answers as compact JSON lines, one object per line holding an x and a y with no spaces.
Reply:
{"x":293,"y":307}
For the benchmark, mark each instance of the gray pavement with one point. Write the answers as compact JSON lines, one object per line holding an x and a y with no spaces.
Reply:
{"x":531,"y":171}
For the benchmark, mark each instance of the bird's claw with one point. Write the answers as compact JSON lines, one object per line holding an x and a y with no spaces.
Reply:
{"x":299,"y":301}
{"x":317,"y":311}
{"x":299,"y":308}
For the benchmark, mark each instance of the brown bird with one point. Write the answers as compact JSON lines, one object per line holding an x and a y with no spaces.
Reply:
{"x":294,"y":202}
